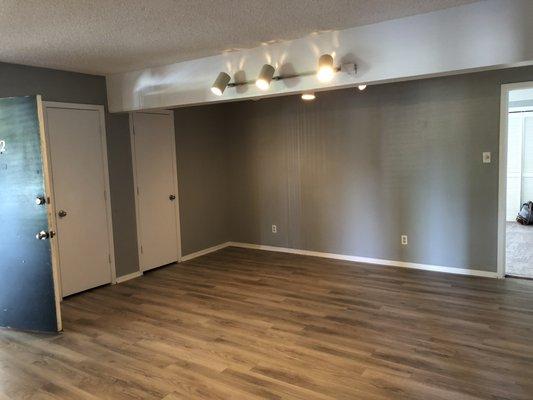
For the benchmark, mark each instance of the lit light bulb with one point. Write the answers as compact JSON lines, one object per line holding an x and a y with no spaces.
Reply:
{"x":325,"y":68}
{"x":265,"y":77}
{"x":308,"y":96}
{"x":216,"y":91}
{"x":220,"y":84}
{"x":262,"y":84}
{"x":361,"y":87}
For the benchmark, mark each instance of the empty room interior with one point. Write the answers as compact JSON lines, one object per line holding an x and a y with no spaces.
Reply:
{"x":309,"y":200}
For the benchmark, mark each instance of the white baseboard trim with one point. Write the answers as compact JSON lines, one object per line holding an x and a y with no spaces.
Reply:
{"x":125,"y":278}
{"x":367,"y":260}
{"x":203,"y":252}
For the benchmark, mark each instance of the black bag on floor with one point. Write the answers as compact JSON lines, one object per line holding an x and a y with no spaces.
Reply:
{"x":525,"y":216}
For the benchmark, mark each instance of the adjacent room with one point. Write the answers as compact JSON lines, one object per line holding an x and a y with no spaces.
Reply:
{"x":519,"y":232}
{"x":319,"y":200}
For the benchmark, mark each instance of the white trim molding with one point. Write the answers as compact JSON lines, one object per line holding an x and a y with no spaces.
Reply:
{"x":128,"y":277}
{"x":367,"y":260}
{"x":364,"y":260}
{"x":203,"y":252}
{"x":502,"y":180}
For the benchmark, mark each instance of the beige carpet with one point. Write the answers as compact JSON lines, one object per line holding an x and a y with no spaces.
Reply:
{"x":519,"y":250}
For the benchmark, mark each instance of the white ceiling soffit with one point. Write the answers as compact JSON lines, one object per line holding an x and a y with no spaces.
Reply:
{"x":110,"y":36}
{"x":482,"y":35}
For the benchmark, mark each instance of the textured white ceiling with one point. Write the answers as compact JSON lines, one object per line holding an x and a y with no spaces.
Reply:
{"x":109,"y":36}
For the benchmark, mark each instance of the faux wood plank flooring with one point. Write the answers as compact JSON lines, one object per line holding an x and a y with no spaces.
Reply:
{"x":245,"y":324}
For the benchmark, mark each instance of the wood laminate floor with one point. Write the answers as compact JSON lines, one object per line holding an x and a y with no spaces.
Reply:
{"x":245,"y":324}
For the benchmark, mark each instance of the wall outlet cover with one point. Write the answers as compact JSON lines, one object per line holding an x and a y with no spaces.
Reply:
{"x":404,"y":240}
{"x":274,"y":229}
{"x":486,"y":157}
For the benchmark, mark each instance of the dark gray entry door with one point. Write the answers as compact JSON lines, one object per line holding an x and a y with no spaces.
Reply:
{"x":27,"y":296}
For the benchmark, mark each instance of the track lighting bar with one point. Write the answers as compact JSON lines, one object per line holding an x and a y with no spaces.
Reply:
{"x":279,"y":78}
{"x":325,"y":72}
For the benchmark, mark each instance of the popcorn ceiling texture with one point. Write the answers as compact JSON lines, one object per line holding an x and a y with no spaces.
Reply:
{"x":110,"y":36}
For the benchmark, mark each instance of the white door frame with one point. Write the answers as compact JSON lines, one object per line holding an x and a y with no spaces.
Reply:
{"x":502,"y":181}
{"x":103,"y":136}
{"x":174,"y":179}
{"x":47,"y":172}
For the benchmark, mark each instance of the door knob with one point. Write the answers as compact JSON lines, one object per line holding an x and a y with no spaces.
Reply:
{"x":172,"y":197}
{"x":40,"y":200}
{"x":43,"y":235}
{"x":62,"y":213}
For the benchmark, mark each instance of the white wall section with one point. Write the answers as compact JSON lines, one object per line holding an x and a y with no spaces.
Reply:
{"x":483,"y":35}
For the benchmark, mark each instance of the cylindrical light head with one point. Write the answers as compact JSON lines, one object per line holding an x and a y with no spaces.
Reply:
{"x":265,"y":77}
{"x":325,"y":68}
{"x":308,"y":96}
{"x":361,"y":87}
{"x":220,"y":84}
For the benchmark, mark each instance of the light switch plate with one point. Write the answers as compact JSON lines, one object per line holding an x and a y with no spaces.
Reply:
{"x":486,"y":157}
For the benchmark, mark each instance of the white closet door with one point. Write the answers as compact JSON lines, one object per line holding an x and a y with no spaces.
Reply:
{"x":156,"y":180}
{"x":79,"y":168}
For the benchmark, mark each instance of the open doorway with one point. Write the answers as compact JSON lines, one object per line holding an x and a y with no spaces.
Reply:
{"x":516,"y":180}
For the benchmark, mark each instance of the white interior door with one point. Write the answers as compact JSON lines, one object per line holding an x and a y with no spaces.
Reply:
{"x":80,"y":192}
{"x":156,"y":180}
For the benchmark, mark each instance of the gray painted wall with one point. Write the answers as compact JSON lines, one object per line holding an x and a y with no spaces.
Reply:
{"x":202,"y":153}
{"x":122,"y":194}
{"x":53,"y":85}
{"x":352,"y":171}
{"x":346,"y":174}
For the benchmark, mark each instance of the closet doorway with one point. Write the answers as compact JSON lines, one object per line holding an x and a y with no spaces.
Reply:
{"x":81,"y":206}
{"x":156,"y":188}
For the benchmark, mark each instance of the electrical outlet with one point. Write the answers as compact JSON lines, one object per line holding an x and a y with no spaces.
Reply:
{"x":486,"y":157}
{"x":404,"y":240}
{"x":274,"y":229}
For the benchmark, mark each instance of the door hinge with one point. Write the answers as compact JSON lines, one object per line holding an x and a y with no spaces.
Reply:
{"x":141,"y":249}
{"x":109,"y":257}
{"x":137,"y":190}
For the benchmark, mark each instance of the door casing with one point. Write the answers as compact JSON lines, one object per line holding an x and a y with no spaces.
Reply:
{"x":502,"y":179}
{"x":174,"y":180}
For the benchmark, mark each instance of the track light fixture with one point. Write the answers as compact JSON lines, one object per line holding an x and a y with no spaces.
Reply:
{"x":325,"y":68}
{"x":361,"y":87}
{"x":220,"y":84}
{"x":326,"y":71}
{"x":265,"y":77}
